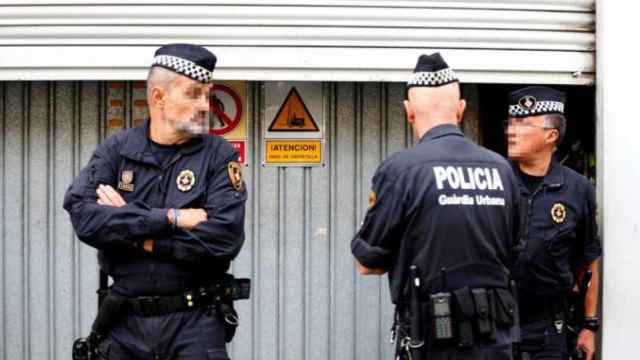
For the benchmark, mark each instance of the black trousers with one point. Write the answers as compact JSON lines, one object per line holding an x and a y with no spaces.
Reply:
{"x":187,"y":335}
{"x":541,"y":341}
{"x":499,"y":350}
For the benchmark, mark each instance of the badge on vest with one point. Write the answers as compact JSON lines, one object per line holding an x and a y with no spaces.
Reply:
{"x":235,"y":175}
{"x":558,"y":213}
{"x":126,"y":181}
{"x":186,"y":180}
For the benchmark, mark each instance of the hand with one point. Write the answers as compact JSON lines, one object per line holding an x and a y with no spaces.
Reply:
{"x":188,"y":218}
{"x":369,"y":271}
{"x":587,"y":343}
{"x":109,"y":196}
{"x":148,"y":245}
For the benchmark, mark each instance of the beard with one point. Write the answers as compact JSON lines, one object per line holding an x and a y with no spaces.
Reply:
{"x":197,"y":125}
{"x":190,"y":128}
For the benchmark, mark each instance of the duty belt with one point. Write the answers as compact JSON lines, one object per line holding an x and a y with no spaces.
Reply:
{"x":202,"y":297}
{"x":459,"y":318}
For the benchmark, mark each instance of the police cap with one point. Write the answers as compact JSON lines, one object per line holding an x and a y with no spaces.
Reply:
{"x":431,"y":71}
{"x":536,"y":100}
{"x":190,"y":60}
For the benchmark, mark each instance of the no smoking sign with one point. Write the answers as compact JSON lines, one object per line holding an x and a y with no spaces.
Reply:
{"x":227,"y":109}
{"x":225,"y":106}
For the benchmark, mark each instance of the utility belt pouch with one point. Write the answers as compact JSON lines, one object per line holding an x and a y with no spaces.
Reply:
{"x":441,"y":311}
{"x":238,"y":289}
{"x":505,"y":308}
{"x":483,"y":315}
{"x":109,"y":314}
{"x":466,"y":311}
{"x":492,"y":315}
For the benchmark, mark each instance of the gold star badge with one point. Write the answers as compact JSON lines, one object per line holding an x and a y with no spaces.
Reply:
{"x":558,"y":213}
{"x":186,"y":180}
{"x":235,"y":175}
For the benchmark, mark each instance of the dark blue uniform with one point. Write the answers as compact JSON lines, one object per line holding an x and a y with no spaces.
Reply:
{"x":181,"y":260}
{"x":558,"y":234}
{"x":445,"y":205}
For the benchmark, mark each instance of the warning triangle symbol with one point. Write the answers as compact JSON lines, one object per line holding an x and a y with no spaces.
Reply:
{"x":293,"y":115}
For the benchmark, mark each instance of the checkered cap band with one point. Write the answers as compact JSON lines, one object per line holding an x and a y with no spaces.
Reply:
{"x":541,"y":107}
{"x":185,"y":67}
{"x":436,"y":78}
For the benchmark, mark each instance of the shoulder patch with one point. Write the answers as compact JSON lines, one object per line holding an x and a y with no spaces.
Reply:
{"x":235,"y":175}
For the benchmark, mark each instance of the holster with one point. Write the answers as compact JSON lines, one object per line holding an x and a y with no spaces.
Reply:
{"x":230,"y":316}
{"x":109,"y":313}
{"x":234,"y":289}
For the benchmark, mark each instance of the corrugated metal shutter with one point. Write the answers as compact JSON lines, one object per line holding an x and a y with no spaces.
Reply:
{"x":510,"y":41}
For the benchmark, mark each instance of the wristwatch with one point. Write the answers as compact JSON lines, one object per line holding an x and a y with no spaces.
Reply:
{"x":591,"y":323}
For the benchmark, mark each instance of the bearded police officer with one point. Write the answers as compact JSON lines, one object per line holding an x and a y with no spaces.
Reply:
{"x":164,"y":204}
{"x":442,"y":221}
{"x":559,"y":240}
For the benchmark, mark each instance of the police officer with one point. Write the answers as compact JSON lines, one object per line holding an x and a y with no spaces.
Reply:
{"x":559,"y":237}
{"x":164,"y":204}
{"x":442,"y":221}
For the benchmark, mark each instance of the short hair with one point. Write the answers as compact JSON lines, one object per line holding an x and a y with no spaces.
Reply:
{"x":558,"y":122}
{"x":159,"y":76}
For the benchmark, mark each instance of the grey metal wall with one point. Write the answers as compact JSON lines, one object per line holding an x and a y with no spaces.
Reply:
{"x":308,"y":302}
{"x":48,"y":278}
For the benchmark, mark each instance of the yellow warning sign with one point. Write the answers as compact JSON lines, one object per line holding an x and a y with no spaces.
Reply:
{"x":293,"y":115}
{"x":300,"y":152}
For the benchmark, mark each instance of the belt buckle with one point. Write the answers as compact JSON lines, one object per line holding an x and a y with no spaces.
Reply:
{"x":559,"y":324}
{"x":205,"y":296}
{"x":148,"y":305}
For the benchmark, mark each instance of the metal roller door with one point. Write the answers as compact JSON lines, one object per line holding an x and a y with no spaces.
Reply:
{"x":308,"y":301}
{"x":504,"y":41}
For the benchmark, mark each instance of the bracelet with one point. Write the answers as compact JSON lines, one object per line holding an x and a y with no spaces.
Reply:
{"x":175,"y":217}
{"x":591,"y":323}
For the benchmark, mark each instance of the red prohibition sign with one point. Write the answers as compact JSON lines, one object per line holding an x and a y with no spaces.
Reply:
{"x":217,"y":108}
